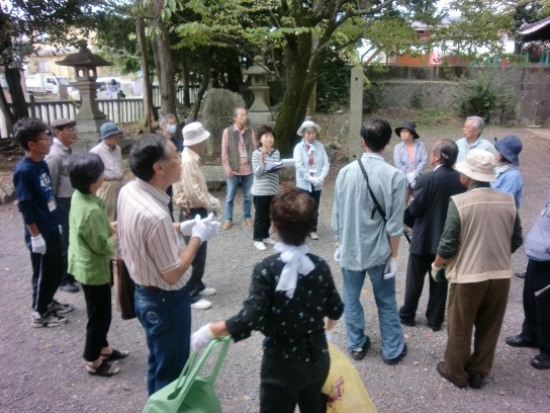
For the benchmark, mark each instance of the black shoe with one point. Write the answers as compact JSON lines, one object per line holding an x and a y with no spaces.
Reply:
{"x":476,"y":381}
{"x":518,"y":341}
{"x":441,"y":370}
{"x":519,"y":274}
{"x":359,"y":353}
{"x":395,"y":360}
{"x":69,"y":287}
{"x":541,"y":362}
{"x":434,"y":327}
{"x":407,"y":322}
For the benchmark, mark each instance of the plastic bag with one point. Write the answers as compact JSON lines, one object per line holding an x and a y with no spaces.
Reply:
{"x":191,"y":393}
{"x":344,"y":388}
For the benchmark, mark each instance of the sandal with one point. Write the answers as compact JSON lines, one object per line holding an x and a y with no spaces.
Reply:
{"x":115,"y":355}
{"x":103,"y":370}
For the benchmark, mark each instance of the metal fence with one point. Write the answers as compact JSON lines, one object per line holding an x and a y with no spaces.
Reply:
{"x":121,"y":111}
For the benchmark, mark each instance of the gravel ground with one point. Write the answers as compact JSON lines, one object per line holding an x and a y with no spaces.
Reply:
{"x":42,"y":370}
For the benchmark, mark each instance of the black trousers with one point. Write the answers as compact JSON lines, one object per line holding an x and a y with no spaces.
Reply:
{"x":46,"y":270}
{"x":286,"y":384}
{"x":262,"y":222}
{"x":195,"y":284}
{"x":63,"y":210}
{"x":98,"y":308}
{"x":536,"y":327}
{"x":316,"y":195}
{"x":417,"y":268}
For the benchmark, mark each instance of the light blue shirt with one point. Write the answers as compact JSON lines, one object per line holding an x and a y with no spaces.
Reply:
{"x":537,"y":242}
{"x":402,"y":161}
{"x":363,"y":237}
{"x":510,"y":181}
{"x":321,"y":165}
{"x":481,"y":143}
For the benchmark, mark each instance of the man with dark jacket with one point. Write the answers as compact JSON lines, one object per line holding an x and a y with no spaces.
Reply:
{"x":426,"y":215}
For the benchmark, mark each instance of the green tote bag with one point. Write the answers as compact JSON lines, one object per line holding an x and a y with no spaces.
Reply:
{"x":191,"y":393}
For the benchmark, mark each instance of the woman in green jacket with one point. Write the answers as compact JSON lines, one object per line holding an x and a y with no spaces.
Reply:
{"x":90,"y":250}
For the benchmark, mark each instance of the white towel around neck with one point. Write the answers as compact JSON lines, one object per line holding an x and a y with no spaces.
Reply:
{"x":296,"y":262}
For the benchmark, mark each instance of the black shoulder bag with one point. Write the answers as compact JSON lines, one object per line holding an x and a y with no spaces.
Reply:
{"x":377,"y":206}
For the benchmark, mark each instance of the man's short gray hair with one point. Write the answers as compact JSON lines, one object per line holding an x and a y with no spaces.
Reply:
{"x":164,"y":119}
{"x":477,"y":123}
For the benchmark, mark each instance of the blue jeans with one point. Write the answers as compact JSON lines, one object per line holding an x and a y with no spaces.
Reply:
{"x":232,"y":184}
{"x":388,"y":317}
{"x":166,"y":318}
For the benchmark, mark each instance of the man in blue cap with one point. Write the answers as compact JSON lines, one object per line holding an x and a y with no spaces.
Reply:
{"x":508,"y":176}
{"x":110,"y":153}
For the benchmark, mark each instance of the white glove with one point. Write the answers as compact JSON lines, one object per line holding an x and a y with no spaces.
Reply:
{"x":391,"y":268}
{"x":201,"y":338}
{"x":337,"y":255}
{"x":186,"y":227}
{"x":38,"y":244}
{"x":411,"y":178}
{"x":313,"y":180}
{"x":205,"y":229}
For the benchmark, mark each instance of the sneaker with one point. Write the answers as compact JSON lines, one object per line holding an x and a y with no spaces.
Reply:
{"x":397,"y":359}
{"x":260,"y":245}
{"x":47,"y":320}
{"x":69,"y":287}
{"x":313,"y":235}
{"x":227,"y":224}
{"x":269,"y":241}
{"x":359,"y":353}
{"x":202,"y":304}
{"x":208,"y":291}
{"x":58,"y":308}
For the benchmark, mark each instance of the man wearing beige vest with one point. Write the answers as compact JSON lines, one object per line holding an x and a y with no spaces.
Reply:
{"x":481,"y":232}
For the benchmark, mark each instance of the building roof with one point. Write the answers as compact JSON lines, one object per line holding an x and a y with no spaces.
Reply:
{"x":539,"y":30}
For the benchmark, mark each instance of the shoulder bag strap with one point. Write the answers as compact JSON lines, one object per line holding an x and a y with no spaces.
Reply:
{"x":377,"y":206}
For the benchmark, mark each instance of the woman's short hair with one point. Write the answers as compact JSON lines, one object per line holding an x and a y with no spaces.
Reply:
{"x":148,"y":150}
{"x":376,"y":134}
{"x":262,"y":131}
{"x":84,"y":170}
{"x":28,"y":129}
{"x":292,"y":212}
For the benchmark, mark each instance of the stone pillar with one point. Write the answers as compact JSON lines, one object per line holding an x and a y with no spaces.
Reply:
{"x":355,"y":112}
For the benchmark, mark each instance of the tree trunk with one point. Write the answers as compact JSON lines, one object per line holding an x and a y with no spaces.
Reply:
{"x":163,"y":61}
{"x":19,"y":105}
{"x":202,"y":90}
{"x":185,"y":82}
{"x":5,"y":108}
{"x":302,"y":71}
{"x":147,"y":90}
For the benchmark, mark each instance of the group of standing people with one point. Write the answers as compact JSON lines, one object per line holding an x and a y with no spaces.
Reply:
{"x":448,"y":213}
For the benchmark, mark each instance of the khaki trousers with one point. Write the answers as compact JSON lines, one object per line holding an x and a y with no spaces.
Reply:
{"x":108,"y":192}
{"x":478,"y":306}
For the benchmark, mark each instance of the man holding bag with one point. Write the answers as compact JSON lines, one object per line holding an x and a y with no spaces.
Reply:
{"x":158,"y":262}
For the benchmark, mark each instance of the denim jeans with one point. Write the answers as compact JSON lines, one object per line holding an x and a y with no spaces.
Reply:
{"x":166,"y":318}
{"x":388,"y":317}
{"x":232,"y":184}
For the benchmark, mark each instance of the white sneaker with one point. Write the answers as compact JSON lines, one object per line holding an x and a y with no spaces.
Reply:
{"x":313,"y":235}
{"x":260,"y":245}
{"x":208,"y":291}
{"x":270,"y":241}
{"x":202,"y":304}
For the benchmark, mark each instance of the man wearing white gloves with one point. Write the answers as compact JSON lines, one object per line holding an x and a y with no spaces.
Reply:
{"x":368,"y":221}
{"x":192,"y":197}
{"x":156,"y":257}
{"x":36,"y":202}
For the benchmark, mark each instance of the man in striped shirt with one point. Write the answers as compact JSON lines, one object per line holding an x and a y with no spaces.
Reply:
{"x":368,"y":220}
{"x":156,"y":258}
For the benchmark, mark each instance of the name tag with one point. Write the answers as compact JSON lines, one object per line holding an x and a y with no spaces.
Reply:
{"x":51,"y":204}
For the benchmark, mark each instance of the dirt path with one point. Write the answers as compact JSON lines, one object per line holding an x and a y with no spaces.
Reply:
{"x":42,"y":370}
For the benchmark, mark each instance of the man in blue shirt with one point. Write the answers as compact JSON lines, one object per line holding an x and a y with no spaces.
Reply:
{"x":37,"y":205}
{"x":473,"y":128}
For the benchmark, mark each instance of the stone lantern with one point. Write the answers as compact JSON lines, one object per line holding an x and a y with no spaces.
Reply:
{"x":89,"y":118}
{"x":259,"y":113}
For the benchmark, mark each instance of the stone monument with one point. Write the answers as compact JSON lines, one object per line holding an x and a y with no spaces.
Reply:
{"x":89,"y":118}
{"x":259,"y":113}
